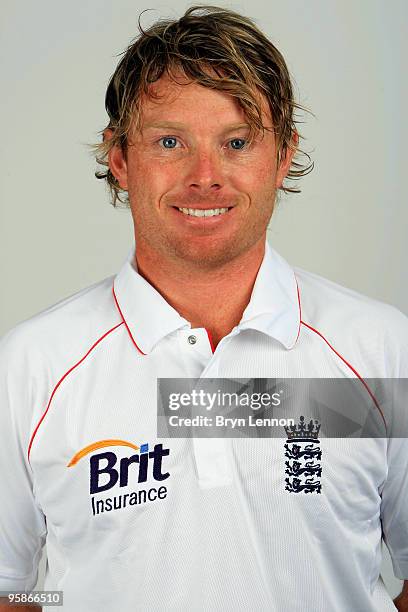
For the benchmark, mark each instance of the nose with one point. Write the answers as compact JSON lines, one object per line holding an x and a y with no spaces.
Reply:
{"x":204,"y":171}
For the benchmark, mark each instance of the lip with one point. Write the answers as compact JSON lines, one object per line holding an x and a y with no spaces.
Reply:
{"x":203,"y":221}
{"x":201,"y":207}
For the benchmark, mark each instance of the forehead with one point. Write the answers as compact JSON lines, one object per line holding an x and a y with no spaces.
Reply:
{"x":182,"y":99}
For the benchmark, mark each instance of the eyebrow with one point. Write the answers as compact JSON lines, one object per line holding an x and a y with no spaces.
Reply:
{"x":181,"y":126}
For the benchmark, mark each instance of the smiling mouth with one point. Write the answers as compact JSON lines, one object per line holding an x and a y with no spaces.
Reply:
{"x":204,"y":212}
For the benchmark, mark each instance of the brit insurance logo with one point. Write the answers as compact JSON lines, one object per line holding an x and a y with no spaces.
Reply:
{"x":109,"y":473}
{"x":302,"y":449}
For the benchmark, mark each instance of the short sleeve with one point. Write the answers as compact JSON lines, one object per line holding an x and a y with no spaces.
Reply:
{"x":394,"y":504}
{"x":22,"y":523}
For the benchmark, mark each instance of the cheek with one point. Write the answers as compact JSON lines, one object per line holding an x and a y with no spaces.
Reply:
{"x":260,"y":181}
{"x":148,"y":183}
{"x":261,"y":169}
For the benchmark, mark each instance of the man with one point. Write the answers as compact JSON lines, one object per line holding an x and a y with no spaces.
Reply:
{"x":201,"y":136}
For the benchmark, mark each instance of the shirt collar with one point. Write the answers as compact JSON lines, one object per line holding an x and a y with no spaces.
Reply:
{"x":145,"y":312}
{"x":274,"y":307}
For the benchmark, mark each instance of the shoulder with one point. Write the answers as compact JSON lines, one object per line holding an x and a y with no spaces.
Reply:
{"x":372,"y":332}
{"x":59,"y":334}
{"x":38,"y":354}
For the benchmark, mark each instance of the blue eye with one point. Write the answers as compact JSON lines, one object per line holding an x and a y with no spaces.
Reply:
{"x":238,"y":143}
{"x":169,"y":142}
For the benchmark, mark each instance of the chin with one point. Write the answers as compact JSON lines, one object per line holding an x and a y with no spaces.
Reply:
{"x":206,"y":256}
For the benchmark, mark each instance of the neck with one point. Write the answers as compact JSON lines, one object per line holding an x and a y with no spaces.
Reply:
{"x":214,"y":299}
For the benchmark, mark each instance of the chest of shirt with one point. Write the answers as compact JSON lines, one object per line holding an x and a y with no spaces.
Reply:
{"x":97,"y":451}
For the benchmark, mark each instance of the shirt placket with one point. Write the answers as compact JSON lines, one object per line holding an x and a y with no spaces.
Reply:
{"x":211,"y":454}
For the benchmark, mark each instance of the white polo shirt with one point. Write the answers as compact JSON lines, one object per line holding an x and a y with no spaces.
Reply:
{"x":134,"y":522}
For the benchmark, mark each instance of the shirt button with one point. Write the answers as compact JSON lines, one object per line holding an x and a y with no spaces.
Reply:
{"x":192,"y":339}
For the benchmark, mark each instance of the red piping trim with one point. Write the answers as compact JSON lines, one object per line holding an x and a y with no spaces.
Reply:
{"x":300,"y":309}
{"x":60,"y":381}
{"x":124,"y":321}
{"x":351,"y":368}
{"x":210,"y":339}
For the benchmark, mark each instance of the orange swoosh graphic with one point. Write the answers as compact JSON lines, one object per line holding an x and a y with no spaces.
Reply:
{"x":95,"y":445}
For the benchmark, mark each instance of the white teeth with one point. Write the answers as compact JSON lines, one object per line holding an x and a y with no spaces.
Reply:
{"x":200,"y":212}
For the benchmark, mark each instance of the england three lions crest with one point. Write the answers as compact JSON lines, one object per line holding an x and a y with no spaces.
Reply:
{"x":302,"y":449}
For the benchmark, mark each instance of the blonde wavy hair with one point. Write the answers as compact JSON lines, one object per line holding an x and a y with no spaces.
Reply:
{"x":242,"y":62}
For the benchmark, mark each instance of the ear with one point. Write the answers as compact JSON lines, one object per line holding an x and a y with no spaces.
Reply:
{"x":286,"y":160}
{"x":117,"y":161}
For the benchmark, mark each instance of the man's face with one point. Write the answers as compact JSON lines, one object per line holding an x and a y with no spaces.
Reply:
{"x":191,"y":154}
